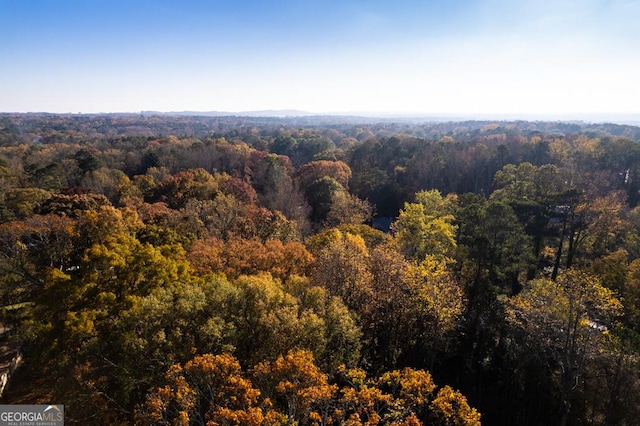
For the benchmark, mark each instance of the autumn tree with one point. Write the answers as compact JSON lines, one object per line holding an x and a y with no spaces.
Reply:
{"x":371,"y":236}
{"x":21,"y":203}
{"x":237,"y":187}
{"x":599,"y":227}
{"x":348,"y":209}
{"x":403,"y":397}
{"x":195,"y":184}
{"x":415,"y":309}
{"x":612,"y":393}
{"x":342,"y":268}
{"x":564,"y":322}
{"x":631,"y":295}
{"x":112,"y":183}
{"x":390,"y":323}
{"x":314,"y":170}
{"x":71,"y":205}
{"x":450,"y":407}
{"x":217,"y":217}
{"x":265,"y":224}
{"x":29,"y":250}
{"x":84,"y":291}
{"x":297,"y":386}
{"x":426,"y":227}
{"x":612,"y":269}
{"x":291,"y":389}
{"x":211,"y":389}
{"x":268,"y":320}
{"x":240,"y":256}
{"x":439,"y":306}
{"x":272,"y":178}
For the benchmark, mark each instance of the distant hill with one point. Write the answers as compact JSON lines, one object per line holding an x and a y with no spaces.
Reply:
{"x":23,"y":127}
{"x":625,"y":119}
{"x":261,"y":113}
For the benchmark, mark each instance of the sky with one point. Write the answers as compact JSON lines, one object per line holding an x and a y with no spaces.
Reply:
{"x":542,"y":58}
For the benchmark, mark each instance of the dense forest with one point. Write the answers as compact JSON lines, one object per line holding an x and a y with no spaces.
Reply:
{"x":321,"y":270}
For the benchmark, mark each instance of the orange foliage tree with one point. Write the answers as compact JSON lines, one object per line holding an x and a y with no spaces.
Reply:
{"x":292,"y":390}
{"x":240,"y":256}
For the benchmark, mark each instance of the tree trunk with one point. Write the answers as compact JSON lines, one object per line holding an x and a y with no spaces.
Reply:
{"x":556,"y":264}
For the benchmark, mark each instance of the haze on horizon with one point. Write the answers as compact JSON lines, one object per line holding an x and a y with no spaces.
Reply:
{"x":463,"y":57}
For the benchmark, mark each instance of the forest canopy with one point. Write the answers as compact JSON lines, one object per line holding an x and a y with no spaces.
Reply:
{"x":321,"y":270}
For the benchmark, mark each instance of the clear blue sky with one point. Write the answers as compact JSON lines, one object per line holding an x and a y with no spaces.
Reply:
{"x":448,"y":56}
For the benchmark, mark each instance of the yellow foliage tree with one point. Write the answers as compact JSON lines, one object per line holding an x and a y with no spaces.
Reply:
{"x":564,"y":321}
{"x":426,"y":226}
{"x":292,"y":390}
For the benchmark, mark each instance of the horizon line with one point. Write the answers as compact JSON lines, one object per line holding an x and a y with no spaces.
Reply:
{"x":595,"y":117}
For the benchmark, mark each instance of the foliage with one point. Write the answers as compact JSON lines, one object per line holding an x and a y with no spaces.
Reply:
{"x":426,"y":227}
{"x":293,"y":390}
{"x":240,"y":256}
{"x":565,"y":322}
{"x":183,"y":270}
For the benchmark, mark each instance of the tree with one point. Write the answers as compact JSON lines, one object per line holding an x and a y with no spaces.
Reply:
{"x":21,"y":203}
{"x":266,"y":225}
{"x":348,"y":209}
{"x":72,"y":205}
{"x":76,"y":312}
{"x":620,"y":157}
{"x":291,"y":389}
{"x":297,"y":386}
{"x":342,"y":268}
{"x":601,"y":227}
{"x":237,"y":187}
{"x":29,"y":250}
{"x":564,"y":322}
{"x":240,"y":256}
{"x":320,"y":196}
{"x":272,"y":180}
{"x":371,"y":236}
{"x":391,"y":322}
{"x":494,"y":245}
{"x":88,"y":161}
{"x":402,"y":397}
{"x":631,"y":295}
{"x":450,"y":407}
{"x":440,"y":304}
{"x":544,"y":199}
{"x":270,"y":321}
{"x":375,"y":185}
{"x":111,"y":183}
{"x":195,"y":184}
{"x":615,"y":390}
{"x":426,"y":227}
{"x":612,"y":270}
{"x":310,"y":172}
{"x":218,"y":217}
{"x":209,"y":388}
